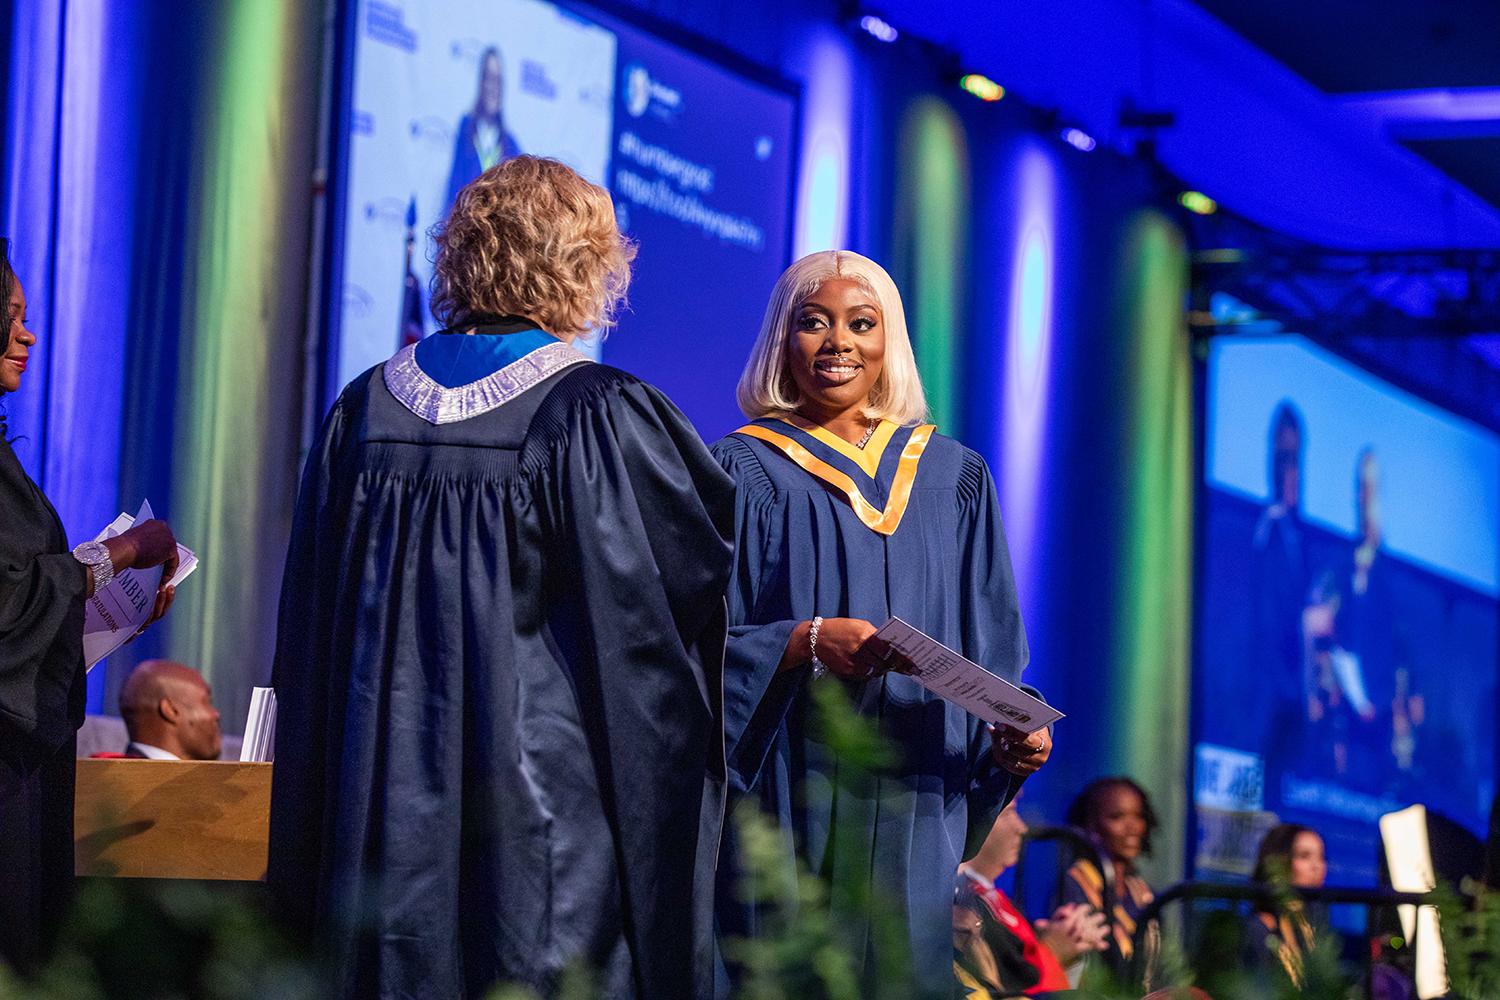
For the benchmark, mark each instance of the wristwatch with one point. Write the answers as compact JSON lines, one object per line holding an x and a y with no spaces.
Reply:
{"x":95,"y":556}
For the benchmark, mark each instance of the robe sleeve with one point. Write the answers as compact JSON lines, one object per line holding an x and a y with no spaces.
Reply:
{"x":41,"y":619}
{"x":304,"y":645}
{"x":40,"y":600}
{"x":993,"y":635}
{"x":756,"y":694}
{"x":639,"y":525}
{"x":41,"y":622}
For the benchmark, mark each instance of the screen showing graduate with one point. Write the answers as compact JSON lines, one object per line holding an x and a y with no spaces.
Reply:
{"x":1347,"y":631}
{"x":697,"y":156}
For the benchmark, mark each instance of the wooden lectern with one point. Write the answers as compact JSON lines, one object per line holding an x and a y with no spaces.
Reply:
{"x":185,"y":819}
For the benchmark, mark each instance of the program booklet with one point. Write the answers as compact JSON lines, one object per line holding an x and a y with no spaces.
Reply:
{"x":965,"y":683}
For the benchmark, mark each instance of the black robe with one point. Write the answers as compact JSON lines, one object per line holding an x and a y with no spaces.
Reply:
{"x":41,"y":707}
{"x":499,"y":749}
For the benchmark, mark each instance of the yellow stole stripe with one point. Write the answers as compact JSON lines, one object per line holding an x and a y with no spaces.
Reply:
{"x":884,"y":522}
{"x":867,"y":458}
{"x":973,"y":989}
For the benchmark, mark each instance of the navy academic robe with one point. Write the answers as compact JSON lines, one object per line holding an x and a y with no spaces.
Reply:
{"x":499,"y":750}
{"x":908,"y":527}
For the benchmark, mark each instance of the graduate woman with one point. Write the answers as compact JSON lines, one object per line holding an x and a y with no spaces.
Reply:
{"x":1116,"y":814}
{"x":499,"y":747}
{"x":851,"y":509}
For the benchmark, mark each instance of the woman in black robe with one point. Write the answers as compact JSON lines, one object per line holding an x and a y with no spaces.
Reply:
{"x":499,"y":751}
{"x":42,"y":592}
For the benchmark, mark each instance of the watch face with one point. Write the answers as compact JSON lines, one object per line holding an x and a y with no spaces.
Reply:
{"x":91,"y":552}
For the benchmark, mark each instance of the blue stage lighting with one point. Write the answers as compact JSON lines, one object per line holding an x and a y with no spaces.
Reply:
{"x":879,"y":28}
{"x":1079,"y":139}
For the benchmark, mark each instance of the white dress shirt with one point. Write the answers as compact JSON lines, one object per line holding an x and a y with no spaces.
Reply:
{"x":150,"y":752}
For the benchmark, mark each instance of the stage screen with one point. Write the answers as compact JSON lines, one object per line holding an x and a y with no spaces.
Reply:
{"x":1347,"y":629}
{"x":699,"y":159}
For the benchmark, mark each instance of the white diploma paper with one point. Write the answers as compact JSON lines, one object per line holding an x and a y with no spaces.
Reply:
{"x":964,"y":682}
{"x":260,"y":726}
{"x":118,"y":611}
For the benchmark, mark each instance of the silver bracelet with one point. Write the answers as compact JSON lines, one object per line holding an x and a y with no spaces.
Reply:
{"x":819,"y":668}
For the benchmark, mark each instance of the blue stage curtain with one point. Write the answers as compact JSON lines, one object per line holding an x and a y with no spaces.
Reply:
{"x":158,"y":191}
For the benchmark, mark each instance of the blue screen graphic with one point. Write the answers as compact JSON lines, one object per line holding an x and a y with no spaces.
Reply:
{"x":699,"y":160}
{"x":1348,"y":626}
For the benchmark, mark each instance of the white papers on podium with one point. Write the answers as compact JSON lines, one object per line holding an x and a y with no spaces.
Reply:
{"x":1408,"y":858}
{"x":965,"y":683}
{"x":118,"y":611}
{"x":260,"y":727}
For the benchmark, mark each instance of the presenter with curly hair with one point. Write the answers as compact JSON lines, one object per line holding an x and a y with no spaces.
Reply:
{"x":502,"y":625}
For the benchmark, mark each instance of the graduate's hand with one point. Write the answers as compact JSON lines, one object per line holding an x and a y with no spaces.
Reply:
{"x":1018,"y":753}
{"x":1074,"y":931}
{"x":844,"y":647}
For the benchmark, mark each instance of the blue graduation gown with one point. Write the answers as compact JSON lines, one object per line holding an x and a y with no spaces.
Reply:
{"x":919,"y":538}
{"x":499,"y":751}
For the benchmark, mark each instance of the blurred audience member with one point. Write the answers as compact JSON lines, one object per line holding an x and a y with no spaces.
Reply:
{"x":169,"y":713}
{"x":1290,"y":855}
{"x":1117,"y":816}
{"x":997,"y":952}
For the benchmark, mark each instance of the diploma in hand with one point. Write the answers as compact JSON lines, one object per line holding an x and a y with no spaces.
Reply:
{"x":962,"y":681}
{"x":120,"y":610}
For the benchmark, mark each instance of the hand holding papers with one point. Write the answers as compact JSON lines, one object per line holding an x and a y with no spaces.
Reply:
{"x":964,"y":682}
{"x":117,"y":612}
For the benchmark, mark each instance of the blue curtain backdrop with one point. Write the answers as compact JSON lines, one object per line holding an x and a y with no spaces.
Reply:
{"x":157,"y":187}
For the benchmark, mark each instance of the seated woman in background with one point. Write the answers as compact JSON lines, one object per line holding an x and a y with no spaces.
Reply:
{"x":1116,"y":815}
{"x":1290,"y":855}
{"x":997,"y":951}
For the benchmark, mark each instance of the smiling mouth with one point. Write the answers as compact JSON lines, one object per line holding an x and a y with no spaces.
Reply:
{"x":18,"y":362}
{"x":837,"y":370}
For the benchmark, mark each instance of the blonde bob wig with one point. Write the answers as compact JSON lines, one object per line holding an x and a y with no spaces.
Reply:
{"x":766,"y":388}
{"x":531,"y":238}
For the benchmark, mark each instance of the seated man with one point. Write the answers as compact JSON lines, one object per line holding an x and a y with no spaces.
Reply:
{"x":169,"y":713}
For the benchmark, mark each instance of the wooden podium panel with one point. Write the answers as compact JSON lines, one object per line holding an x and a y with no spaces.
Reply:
{"x":187,"y":819}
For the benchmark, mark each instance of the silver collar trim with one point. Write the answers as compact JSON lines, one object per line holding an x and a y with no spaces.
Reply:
{"x":438,"y":404}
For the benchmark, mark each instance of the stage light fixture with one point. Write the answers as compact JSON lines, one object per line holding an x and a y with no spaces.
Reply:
{"x":879,"y":28}
{"x":981,"y":86}
{"x":1079,"y":139}
{"x":1197,"y":202}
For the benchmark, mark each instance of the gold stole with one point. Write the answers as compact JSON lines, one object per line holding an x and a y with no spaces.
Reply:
{"x":884,"y":522}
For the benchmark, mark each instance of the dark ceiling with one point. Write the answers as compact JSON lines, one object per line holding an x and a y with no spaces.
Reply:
{"x":1379,"y":46}
{"x":1474,"y":163}
{"x":1354,"y":46}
